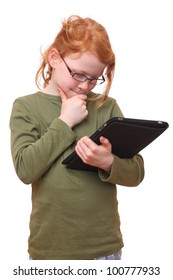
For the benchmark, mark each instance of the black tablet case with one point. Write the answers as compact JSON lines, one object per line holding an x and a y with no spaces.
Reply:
{"x":127,"y":136}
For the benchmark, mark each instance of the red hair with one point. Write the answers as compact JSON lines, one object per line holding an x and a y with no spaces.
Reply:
{"x":79,"y":35}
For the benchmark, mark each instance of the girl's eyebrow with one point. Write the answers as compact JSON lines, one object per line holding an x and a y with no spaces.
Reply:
{"x":79,"y":71}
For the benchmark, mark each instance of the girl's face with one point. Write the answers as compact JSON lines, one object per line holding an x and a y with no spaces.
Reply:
{"x":87,"y":64}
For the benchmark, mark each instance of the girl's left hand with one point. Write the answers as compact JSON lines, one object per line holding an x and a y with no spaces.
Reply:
{"x":96,"y":155}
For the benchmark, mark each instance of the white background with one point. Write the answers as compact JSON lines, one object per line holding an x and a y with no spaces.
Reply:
{"x":141,"y":35}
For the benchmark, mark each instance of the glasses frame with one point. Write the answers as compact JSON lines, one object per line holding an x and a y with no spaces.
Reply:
{"x":102,"y":79}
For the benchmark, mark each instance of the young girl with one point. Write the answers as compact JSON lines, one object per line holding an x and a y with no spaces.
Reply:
{"x":74,"y":213}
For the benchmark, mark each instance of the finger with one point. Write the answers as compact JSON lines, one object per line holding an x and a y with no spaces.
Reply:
{"x":80,"y":151}
{"x":84,"y":148}
{"x":83,"y":144}
{"x":62,"y":94}
{"x":104,"y":141}
{"x":82,"y":96}
{"x":87,"y":142}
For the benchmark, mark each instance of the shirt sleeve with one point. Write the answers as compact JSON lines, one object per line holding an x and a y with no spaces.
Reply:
{"x":126,"y":172}
{"x":33,"y":154}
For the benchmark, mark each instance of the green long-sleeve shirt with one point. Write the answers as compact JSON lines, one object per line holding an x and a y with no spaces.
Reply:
{"x":74,"y":213}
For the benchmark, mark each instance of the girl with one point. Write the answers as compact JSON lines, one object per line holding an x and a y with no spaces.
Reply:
{"x":74,"y":213}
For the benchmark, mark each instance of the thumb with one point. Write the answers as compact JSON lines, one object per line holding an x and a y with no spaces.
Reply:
{"x":105,"y":142}
{"x":62,"y":94}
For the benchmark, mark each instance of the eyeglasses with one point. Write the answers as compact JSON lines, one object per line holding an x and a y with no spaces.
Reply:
{"x":82,"y":78}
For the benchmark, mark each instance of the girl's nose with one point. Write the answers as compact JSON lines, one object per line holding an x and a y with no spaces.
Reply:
{"x":85,"y":85}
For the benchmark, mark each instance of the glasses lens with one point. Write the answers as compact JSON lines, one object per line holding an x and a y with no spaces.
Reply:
{"x":79,"y":77}
{"x":82,"y":78}
{"x":97,"y":82}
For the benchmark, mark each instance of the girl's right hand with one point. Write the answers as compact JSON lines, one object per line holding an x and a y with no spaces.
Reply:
{"x":73,"y":109}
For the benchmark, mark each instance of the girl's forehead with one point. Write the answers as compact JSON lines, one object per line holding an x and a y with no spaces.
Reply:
{"x":86,"y":61}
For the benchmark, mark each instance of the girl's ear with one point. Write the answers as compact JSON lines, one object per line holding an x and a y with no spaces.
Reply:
{"x":53,"y":57}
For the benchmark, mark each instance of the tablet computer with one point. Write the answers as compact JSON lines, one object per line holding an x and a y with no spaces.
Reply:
{"x":127,"y":136}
